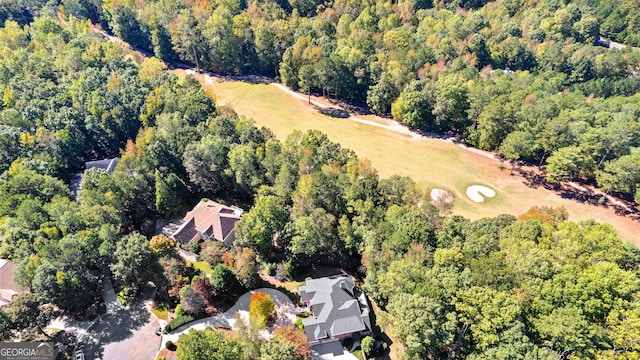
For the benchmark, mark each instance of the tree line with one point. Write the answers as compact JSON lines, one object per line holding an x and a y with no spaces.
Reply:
{"x":532,"y":83}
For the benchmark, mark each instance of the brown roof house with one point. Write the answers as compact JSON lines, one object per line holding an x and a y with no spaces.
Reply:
{"x":209,"y":220}
{"x":8,"y":288}
{"x":339,"y":310}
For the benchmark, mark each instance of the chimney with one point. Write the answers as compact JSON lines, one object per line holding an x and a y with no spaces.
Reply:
{"x":343,"y":286}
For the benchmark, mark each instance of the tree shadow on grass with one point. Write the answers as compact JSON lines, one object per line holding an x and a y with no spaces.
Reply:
{"x":534,"y":179}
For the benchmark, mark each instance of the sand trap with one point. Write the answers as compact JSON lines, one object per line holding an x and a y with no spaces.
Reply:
{"x":441,"y":195}
{"x":477,"y":193}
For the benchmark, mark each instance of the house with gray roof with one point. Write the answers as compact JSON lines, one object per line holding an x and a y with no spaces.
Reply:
{"x":339,"y":309}
{"x":108,"y":165}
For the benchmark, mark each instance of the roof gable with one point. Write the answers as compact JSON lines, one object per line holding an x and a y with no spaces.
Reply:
{"x":108,"y":165}
{"x":210,"y":219}
{"x":337,"y":308}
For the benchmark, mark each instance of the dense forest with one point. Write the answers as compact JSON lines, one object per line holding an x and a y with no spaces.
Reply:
{"x":530,"y":80}
{"x":536,"y":286}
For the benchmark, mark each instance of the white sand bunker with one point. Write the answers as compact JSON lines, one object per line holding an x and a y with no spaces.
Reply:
{"x":477,"y":193}
{"x":441,"y":196}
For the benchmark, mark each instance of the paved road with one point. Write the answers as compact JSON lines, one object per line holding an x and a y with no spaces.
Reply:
{"x":142,"y":344}
{"x":127,"y":334}
{"x":122,"y":332}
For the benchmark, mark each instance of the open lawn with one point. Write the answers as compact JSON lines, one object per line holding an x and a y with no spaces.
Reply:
{"x":431,"y":162}
{"x":202,"y":266}
{"x":161,"y":312}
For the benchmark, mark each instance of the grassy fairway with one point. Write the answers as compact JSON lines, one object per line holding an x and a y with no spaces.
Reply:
{"x":430,"y":162}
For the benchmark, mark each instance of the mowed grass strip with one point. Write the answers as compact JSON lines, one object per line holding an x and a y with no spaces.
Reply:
{"x":430,"y":162}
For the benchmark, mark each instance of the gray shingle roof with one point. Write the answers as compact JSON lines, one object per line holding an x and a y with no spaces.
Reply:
{"x":108,"y":165}
{"x":338,"y":308}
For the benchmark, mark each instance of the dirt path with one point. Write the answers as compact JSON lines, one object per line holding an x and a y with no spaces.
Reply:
{"x":615,"y":45}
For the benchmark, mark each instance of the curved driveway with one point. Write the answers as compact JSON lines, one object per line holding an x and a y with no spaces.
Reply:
{"x":226,"y":319}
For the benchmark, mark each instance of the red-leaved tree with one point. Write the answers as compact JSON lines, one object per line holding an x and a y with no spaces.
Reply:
{"x":296,"y":337}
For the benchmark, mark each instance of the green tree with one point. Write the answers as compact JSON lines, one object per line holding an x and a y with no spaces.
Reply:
{"x":244,"y":164}
{"x":279,"y":350}
{"x":262,"y":223}
{"x":208,"y":344}
{"x":516,"y":146}
{"x":566,"y":331}
{"x":314,"y":235}
{"x":451,"y":104}
{"x":569,"y":163}
{"x":381,"y":95}
{"x":5,"y":326}
{"x":171,"y":193}
{"x":486,"y":312}
{"x":624,"y":323}
{"x":620,"y":175}
{"x":420,"y":323}
{"x":205,"y":161}
{"x":224,"y":282}
{"x":414,"y":107}
{"x":187,"y":39}
{"x":29,"y":312}
{"x":307,"y":79}
{"x":135,"y":263}
{"x":223,"y":45}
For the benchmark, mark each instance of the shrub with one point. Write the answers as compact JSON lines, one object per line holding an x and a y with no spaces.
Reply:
{"x":179,"y":311}
{"x":177,"y":322}
{"x":299,"y":324}
{"x":170,"y":345}
{"x":367,"y":344}
{"x":193,"y":246}
{"x":288,"y":269}
{"x":126,"y":295}
{"x":270,"y":268}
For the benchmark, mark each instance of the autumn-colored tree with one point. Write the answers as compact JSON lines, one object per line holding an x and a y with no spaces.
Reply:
{"x":246,"y":268}
{"x":261,"y":310}
{"x":227,"y":259}
{"x":296,"y":337}
{"x":545,"y":214}
{"x":203,"y":287}
{"x":162,"y":245}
